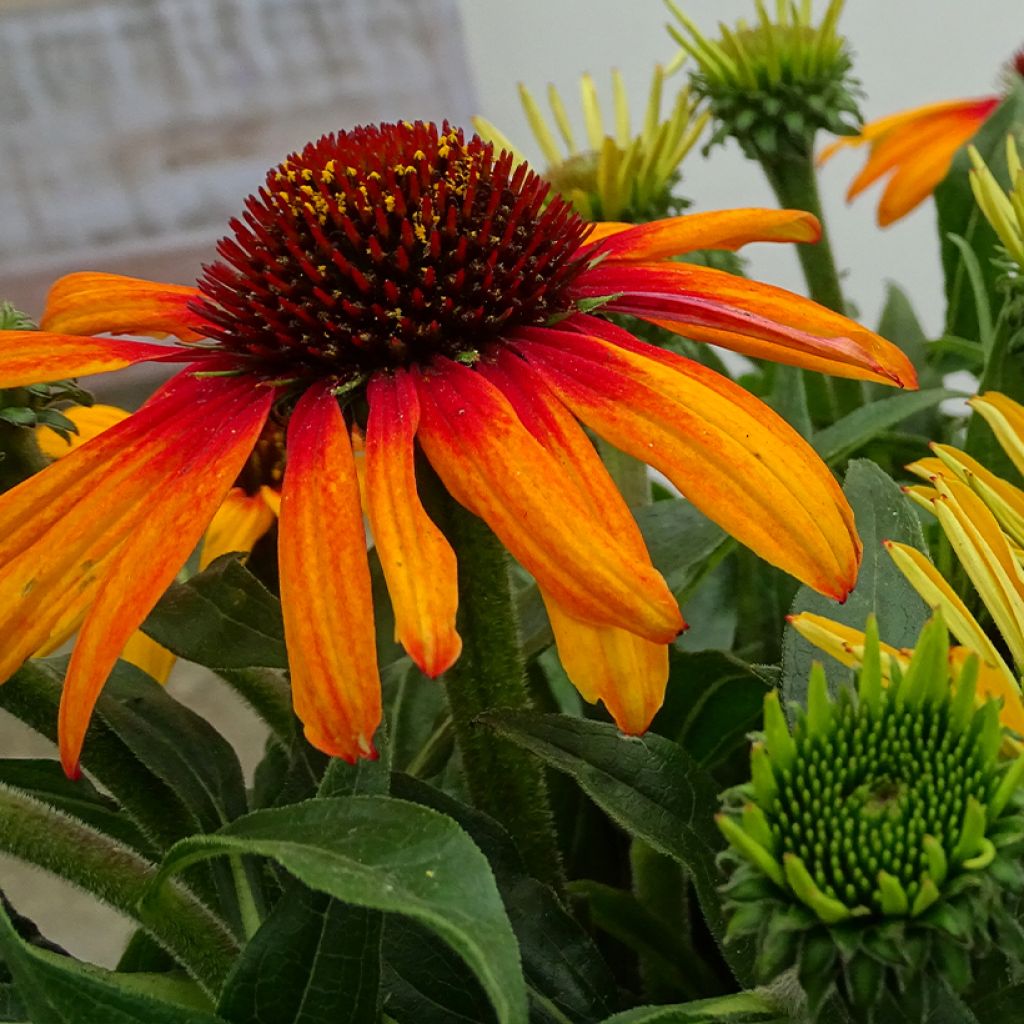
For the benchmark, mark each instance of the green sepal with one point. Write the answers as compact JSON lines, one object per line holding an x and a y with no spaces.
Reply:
{"x":938,"y":865}
{"x":869,"y":688}
{"x":1008,"y":785}
{"x":830,"y":910}
{"x":750,"y":848}
{"x":819,"y":707}
{"x":755,"y":824}
{"x":778,"y":741}
{"x":926,"y":678}
{"x":762,"y":776}
{"x":972,"y":831}
{"x":926,"y":896}
{"x":892,"y":895}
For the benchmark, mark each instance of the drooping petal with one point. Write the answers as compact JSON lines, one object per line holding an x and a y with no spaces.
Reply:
{"x":491,"y":464}
{"x":916,"y":179}
{"x":732,"y":456}
{"x":325,"y":583}
{"x":237,"y":525}
{"x":418,"y":562}
{"x":91,"y":303}
{"x":35,"y":357}
{"x":91,"y":421}
{"x":717,"y":229}
{"x":624,"y":671}
{"x":186,"y":496}
{"x":1006,"y":418}
{"x":746,"y":316}
{"x":936,"y":592}
{"x":986,"y":555}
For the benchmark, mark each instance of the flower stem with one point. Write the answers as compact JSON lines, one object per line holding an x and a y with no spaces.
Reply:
{"x":795,"y":184}
{"x":119,"y":877}
{"x":504,"y":781}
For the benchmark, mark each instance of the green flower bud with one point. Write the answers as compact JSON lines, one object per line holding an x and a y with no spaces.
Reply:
{"x":882,"y":832}
{"x":773,"y":84}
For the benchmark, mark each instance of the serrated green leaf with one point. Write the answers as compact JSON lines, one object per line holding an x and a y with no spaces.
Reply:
{"x":882,"y":512}
{"x":387,"y":855}
{"x":649,"y":786}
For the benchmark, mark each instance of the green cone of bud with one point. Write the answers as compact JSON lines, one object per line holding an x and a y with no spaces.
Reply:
{"x":773,"y":84}
{"x":879,"y":839}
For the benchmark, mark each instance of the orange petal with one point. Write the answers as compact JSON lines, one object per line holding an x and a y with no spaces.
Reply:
{"x":717,"y":229}
{"x":148,"y":655}
{"x":185,"y":499}
{"x":35,"y":357}
{"x":325,"y":584}
{"x":732,"y":456}
{"x":91,"y":421}
{"x":491,"y":464}
{"x":91,"y":303}
{"x":236,"y":526}
{"x":60,"y":528}
{"x":418,"y":563}
{"x":544,"y":415}
{"x":624,"y":671}
{"x":749,"y":317}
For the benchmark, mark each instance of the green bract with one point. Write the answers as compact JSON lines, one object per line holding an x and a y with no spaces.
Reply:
{"x":773,"y":84}
{"x":878,"y":839}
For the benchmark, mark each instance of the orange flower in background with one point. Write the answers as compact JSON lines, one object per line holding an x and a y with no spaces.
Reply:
{"x":915,"y":148}
{"x":414,"y":286}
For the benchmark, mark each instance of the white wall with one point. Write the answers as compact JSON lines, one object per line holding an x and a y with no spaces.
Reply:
{"x":908,"y":52}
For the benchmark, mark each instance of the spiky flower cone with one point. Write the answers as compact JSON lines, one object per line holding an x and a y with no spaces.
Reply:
{"x":879,"y":839}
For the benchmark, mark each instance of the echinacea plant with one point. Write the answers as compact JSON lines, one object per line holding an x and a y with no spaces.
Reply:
{"x":879,"y":839}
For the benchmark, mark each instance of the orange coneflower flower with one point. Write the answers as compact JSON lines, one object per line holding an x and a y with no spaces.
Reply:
{"x":916,"y":148}
{"x":415,"y":285}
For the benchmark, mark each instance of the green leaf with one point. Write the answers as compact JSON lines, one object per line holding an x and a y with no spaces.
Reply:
{"x":649,"y":786}
{"x":32,"y":695}
{"x":740,"y":1008}
{"x":221,"y":618}
{"x":58,"y":990}
{"x":562,"y":966}
{"x":900,"y":325}
{"x":314,"y":960}
{"x":387,"y":855}
{"x":712,"y":701}
{"x":838,"y":442}
{"x":882,"y":512}
{"x":958,"y":214}
{"x":683,"y":543}
{"x":415,"y":707}
{"x":46,"y":781}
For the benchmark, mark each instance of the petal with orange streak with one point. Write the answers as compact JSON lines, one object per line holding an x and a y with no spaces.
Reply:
{"x":418,"y":562}
{"x":90,"y":420}
{"x":747,"y":316}
{"x":60,"y":528}
{"x":35,"y":357}
{"x":733,"y":457}
{"x":236,"y":526}
{"x":717,"y":229}
{"x":627,"y":673}
{"x":491,"y":464}
{"x":325,"y":584}
{"x":186,"y":497}
{"x":92,"y":303}
{"x":916,"y":179}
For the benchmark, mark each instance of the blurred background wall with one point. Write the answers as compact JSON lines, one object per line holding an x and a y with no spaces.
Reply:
{"x":130,"y":130}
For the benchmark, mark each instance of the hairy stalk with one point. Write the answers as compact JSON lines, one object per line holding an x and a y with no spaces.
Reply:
{"x":504,"y":780}
{"x":793,"y":179}
{"x":119,"y":877}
